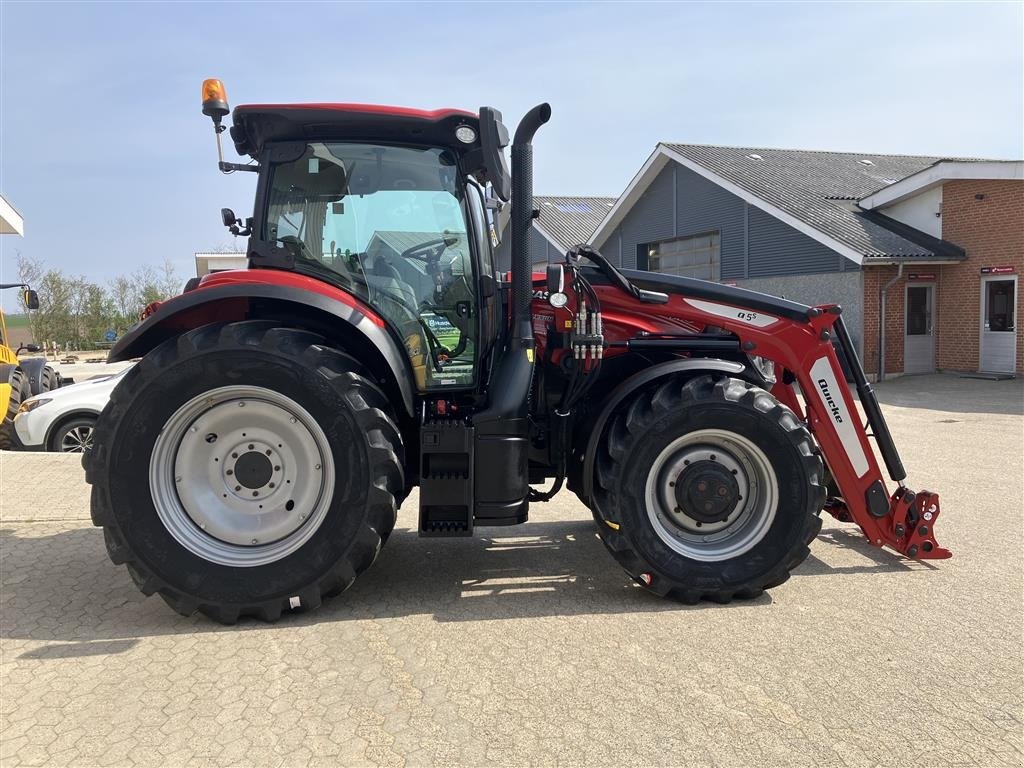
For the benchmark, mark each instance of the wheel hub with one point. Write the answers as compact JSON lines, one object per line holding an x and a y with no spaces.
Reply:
{"x":707,"y":491}
{"x":249,"y":469}
{"x":711,"y":495}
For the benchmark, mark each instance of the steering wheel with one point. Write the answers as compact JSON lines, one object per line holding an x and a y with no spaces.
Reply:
{"x":435,"y":247}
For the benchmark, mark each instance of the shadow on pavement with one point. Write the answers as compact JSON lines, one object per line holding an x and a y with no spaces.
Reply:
{"x":882,"y":560}
{"x":62,"y":588}
{"x":949,"y":392}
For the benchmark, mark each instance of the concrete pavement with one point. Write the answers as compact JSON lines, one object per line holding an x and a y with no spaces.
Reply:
{"x":529,"y":646}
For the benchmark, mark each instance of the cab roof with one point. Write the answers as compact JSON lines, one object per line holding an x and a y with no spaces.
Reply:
{"x":256,"y":124}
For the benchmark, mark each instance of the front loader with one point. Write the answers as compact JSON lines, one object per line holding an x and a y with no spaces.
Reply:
{"x":255,"y":459}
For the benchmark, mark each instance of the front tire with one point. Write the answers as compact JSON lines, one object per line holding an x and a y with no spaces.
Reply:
{"x":74,"y":436}
{"x":245,"y":469}
{"x":708,"y":489}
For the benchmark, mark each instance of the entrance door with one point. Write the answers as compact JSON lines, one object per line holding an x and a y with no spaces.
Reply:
{"x":998,"y":328}
{"x":919,"y":343}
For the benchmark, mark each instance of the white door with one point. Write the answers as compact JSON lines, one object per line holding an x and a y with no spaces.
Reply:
{"x":919,"y":341}
{"x":998,"y":327}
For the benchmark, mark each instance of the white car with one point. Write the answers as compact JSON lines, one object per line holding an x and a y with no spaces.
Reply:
{"x":63,"y":419}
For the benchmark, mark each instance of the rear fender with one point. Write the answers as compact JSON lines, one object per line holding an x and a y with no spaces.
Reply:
{"x":689,"y":366}
{"x":335,"y":314}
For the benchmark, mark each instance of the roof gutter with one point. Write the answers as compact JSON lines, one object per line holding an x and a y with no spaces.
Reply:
{"x":881,"y":320}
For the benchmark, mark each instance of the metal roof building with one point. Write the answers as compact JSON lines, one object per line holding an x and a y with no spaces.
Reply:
{"x":914,"y":240}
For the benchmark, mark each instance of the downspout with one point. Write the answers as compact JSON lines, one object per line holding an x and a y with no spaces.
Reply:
{"x":881,"y":320}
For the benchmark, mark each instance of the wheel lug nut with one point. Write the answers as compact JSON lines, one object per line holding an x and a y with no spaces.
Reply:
{"x":177,"y":479}
{"x":255,"y":493}
{"x":229,"y":472}
{"x":271,"y":485}
{"x":234,"y":455}
{"x":211,"y":438}
{"x":241,"y":404}
{"x":238,"y":487}
{"x":250,"y":446}
{"x":254,"y":541}
{"x":268,"y":452}
{"x":277,"y":467}
{"x":292,"y":419}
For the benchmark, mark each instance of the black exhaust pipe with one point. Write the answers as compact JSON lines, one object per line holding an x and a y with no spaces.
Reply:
{"x":522,"y":221}
{"x":501,"y":482}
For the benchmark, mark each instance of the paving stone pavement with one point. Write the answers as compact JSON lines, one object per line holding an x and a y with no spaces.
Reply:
{"x":528,"y":646}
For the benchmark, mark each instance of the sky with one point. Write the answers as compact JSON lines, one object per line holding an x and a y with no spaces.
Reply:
{"x":104,"y":151}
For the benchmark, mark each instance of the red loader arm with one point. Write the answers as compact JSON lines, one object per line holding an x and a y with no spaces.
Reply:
{"x":902,"y":520}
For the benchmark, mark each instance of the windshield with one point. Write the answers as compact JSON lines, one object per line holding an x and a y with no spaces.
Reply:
{"x":387,"y":223}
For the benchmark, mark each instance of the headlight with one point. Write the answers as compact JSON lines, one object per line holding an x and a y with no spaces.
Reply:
{"x":31,"y":405}
{"x":764,"y":366}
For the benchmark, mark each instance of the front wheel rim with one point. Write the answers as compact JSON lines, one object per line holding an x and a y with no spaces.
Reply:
{"x":77,"y":440}
{"x":241,"y":476}
{"x":739,"y":469}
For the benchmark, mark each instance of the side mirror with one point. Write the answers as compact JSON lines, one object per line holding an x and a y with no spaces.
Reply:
{"x":493,"y":140}
{"x":30,"y":299}
{"x":232,"y":223}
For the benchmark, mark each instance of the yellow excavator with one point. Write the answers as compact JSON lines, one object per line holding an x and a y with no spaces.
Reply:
{"x":20,"y":378}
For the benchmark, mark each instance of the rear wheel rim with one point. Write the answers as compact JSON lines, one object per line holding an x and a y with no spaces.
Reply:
{"x":241,"y":476}
{"x":735,"y":468}
{"x":77,"y":439}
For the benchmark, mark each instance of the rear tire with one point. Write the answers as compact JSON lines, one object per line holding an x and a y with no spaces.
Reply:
{"x":48,"y":379}
{"x":708,"y":489}
{"x":170,"y":460}
{"x":19,"y":393}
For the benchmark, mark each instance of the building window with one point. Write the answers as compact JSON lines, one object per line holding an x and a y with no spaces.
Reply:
{"x":694,"y":256}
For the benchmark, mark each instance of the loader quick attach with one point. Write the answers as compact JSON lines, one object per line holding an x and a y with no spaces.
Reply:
{"x":255,"y":459}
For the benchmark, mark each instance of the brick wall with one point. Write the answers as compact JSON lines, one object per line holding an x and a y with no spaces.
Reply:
{"x":874,"y":279}
{"x":991,"y":230}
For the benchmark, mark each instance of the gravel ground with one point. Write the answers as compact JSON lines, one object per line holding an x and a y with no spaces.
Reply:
{"x":529,"y":645}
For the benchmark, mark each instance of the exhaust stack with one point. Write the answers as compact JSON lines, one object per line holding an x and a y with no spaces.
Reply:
{"x":522,"y":220}
{"x":501,"y":485}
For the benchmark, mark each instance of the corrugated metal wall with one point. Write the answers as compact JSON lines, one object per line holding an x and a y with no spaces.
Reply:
{"x":754,"y":244}
{"x":778,"y":249}
{"x":540,"y":250}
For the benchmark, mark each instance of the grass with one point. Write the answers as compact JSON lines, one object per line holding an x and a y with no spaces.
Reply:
{"x":16,"y":321}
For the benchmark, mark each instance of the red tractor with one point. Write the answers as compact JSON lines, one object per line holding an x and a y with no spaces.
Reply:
{"x":254,"y":460}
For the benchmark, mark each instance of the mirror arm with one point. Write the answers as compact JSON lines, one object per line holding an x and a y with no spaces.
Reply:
{"x":232,"y":167}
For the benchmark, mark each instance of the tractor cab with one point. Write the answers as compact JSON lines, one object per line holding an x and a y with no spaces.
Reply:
{"x":387,"y":204}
